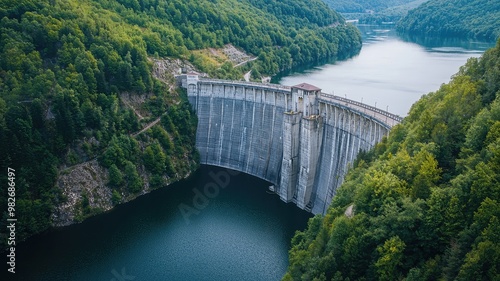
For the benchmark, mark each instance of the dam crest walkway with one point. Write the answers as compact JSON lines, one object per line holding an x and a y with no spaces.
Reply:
{"x":385,"y":117}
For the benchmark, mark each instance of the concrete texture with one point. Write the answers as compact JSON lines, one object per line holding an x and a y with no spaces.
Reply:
{"x":299,"y":139}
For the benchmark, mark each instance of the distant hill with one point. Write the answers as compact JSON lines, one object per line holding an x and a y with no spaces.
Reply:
{"x":478,"y":19}
{"x":377,"y":12}
{"x":361,"y":6}
{"x":392,"y":14}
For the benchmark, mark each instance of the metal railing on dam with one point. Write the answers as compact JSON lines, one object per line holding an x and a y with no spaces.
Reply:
{"x":384,"y":117}
{"x":300,"y":140}
{"x":246,"y":84}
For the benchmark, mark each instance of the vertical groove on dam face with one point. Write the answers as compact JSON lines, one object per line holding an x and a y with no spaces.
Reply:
{"x":241,"y":129}
{"x":250,"y":154}
{"x":251,"y":128}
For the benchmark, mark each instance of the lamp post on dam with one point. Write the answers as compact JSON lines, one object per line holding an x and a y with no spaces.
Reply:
{"x":297,"y":138}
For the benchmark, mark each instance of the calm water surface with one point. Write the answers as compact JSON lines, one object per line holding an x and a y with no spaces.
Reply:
{"x":243,"y":233}
{"x":390,"y":72}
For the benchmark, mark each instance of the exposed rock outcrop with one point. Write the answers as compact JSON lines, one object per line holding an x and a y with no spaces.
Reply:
{"x":84,"y":179}
{"x":84,"y":186}
{"x":166,"y":69}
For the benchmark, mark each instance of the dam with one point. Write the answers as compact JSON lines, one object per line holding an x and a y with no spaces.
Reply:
{"x":297,"y":138}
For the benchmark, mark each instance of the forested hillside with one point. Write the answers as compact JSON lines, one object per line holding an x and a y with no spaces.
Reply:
{"x":478,"y":19}
{"x":66,"y":66}
{"x":392,"y":14}
{"x":361,"y":6}
{"x":425,"y":203}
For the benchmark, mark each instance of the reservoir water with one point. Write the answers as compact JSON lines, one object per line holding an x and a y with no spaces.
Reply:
{"x":390,"y":72}
{"x":193,"y":230}
{"x":236,"y":232}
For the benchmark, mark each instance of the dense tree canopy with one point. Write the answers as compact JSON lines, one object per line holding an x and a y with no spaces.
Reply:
{"x":454,"y":18}
{"x":426,"y":200}
{"x":64,"y":65}
{"x":391,"y":14}
{"x":361,"y":6}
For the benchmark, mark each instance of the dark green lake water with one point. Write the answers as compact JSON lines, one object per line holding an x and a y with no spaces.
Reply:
{"x":242,"y":233}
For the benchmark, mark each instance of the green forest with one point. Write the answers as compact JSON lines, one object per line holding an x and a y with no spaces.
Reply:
{"x":475,"y":19}
{"x":64,"y":65}
{"x":361,"y":6}
{"x":392,"y":14}
{"x":426,"y":201}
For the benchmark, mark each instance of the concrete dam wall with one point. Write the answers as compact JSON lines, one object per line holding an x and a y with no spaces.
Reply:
{"x":297,"y":138}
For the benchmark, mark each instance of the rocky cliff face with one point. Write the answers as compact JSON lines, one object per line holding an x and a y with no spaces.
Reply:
{"x":84,"y":183}
{"x":84,"y":180}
